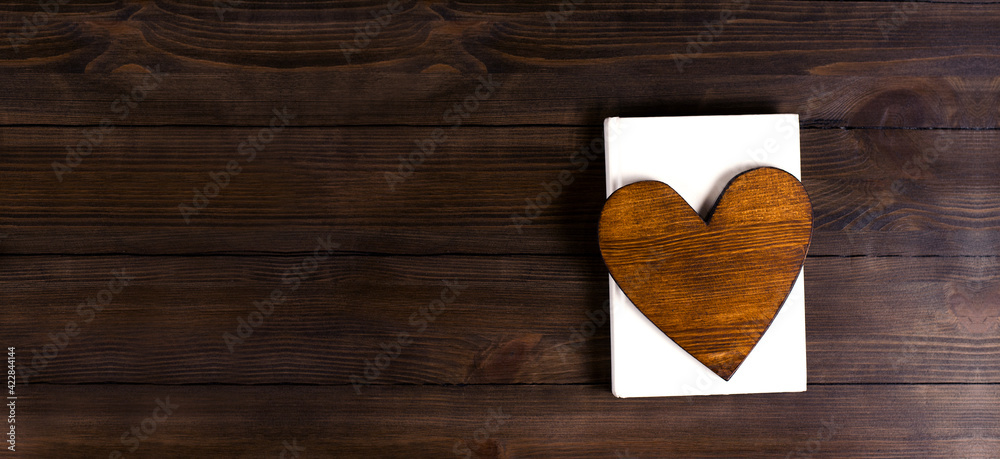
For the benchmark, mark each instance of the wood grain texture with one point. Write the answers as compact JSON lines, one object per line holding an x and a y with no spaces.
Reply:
{"x":715,"y":285}
{"x":835,"y":63}
{"x":925,"y":320}
{"x":329,"y":97}
{"x":514,"y":421}
{"x":774,"y":37}
{"x":874,"y":192}
{"x":898,"y":102}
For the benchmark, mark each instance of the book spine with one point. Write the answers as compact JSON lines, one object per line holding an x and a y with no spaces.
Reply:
{"x":612,"y":130}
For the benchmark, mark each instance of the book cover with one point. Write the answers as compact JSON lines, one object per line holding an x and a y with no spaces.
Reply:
{"x":697,"y":156}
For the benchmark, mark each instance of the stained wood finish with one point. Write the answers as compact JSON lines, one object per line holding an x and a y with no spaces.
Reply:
{"x":874,"y":192}
{"x":516,"y":421}
{"x":926,"y":320}
{"x":714,"y":285}
{"x":205,"y":95}
{"x":841,"y":64}
{"x":900,"y":290}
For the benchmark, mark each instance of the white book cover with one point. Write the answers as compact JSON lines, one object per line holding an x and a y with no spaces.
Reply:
{"x":697,"y":156}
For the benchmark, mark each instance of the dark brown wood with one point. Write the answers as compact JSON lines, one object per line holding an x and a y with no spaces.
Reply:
{"x":714,"y":285}
{"x":898,"y":102}
{"x":938,"y":421}
{"x":835,"y":63}
{"x":874,"y":192}
{"x":329,"y":97}
{"x":926,"y":320}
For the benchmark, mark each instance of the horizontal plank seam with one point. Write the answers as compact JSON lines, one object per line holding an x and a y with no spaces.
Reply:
{"x":416,"y":255}
{"x":114,"y":383}
{"x":819,"y":125}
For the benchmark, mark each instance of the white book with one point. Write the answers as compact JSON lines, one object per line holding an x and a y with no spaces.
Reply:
{"x":697,"y":156}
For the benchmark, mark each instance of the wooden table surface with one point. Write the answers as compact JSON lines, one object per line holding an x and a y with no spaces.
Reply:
{"x":306,"y":228}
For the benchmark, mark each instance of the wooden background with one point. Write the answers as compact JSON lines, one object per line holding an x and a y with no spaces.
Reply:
{"x":898,"y":107}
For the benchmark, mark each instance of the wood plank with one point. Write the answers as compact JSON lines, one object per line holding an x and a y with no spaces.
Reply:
{"x":903,"y":324}
{"x":533,"y":320}
{"x":343,"y":98}
{"x":898,"y":64}
{"x":523,"y":421}
{"x":771,"y":37}
{"x":481,"y":190}
{"x":901,"y":319}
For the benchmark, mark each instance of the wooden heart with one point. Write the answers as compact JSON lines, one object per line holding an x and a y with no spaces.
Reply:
{"x":713,"y":287}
